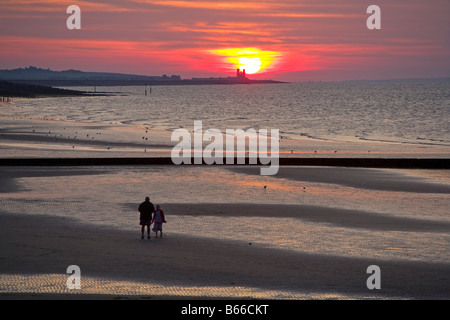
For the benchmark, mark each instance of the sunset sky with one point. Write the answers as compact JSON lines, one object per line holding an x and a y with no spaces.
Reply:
{"x":289,"y":40}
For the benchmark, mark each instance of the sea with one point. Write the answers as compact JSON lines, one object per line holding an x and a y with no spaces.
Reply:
{"x":407,"y":118}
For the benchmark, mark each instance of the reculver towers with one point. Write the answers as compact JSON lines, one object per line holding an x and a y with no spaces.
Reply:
{"x":239,"y":74}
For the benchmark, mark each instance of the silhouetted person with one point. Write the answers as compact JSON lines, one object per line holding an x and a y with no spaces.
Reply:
{"x":158,"y":219}
{"x":146,"y":209}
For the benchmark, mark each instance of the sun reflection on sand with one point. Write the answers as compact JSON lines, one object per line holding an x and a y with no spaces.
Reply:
{"x":50,"y":284}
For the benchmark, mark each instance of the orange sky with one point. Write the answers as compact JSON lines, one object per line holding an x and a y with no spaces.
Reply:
{"x":299,"y":40}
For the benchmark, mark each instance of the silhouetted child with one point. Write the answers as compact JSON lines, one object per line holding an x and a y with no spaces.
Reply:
{"x":158,"y":220}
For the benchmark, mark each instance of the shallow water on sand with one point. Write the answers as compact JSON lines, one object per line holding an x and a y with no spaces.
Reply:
{"x":397,"y":111}
{"x":352,"y":119}
{"x":109,"y":196}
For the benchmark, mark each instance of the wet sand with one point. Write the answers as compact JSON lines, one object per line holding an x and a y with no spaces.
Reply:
{"x":25,"y":136}
{"x":365,"y":178}
{"x":47,"y":137}
{"x":334,"y":216}
{"x":43,"y":245}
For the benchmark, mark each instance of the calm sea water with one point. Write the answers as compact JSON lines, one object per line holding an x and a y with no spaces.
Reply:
{"x":415,"y":112}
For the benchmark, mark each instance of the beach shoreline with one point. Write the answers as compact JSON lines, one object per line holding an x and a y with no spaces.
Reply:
{"x":27,"y":134}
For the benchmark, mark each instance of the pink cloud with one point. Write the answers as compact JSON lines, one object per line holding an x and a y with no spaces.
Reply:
{"x":154,"y":36}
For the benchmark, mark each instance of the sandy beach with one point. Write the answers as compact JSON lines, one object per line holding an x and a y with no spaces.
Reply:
{"x":188,"y":263}
{"x":51,"y":246}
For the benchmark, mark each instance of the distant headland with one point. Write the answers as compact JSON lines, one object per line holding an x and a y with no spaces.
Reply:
{"x":47,"y":77}
{"x":10,"y":90}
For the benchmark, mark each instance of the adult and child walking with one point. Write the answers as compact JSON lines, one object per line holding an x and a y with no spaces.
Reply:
{"x":148,"y":216}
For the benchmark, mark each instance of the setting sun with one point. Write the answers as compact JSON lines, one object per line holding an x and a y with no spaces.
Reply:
{"x":250,"y":65}
{"x":252,"y":60}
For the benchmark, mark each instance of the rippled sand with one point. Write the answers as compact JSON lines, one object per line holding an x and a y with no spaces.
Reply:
{"x":53,"y":285}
